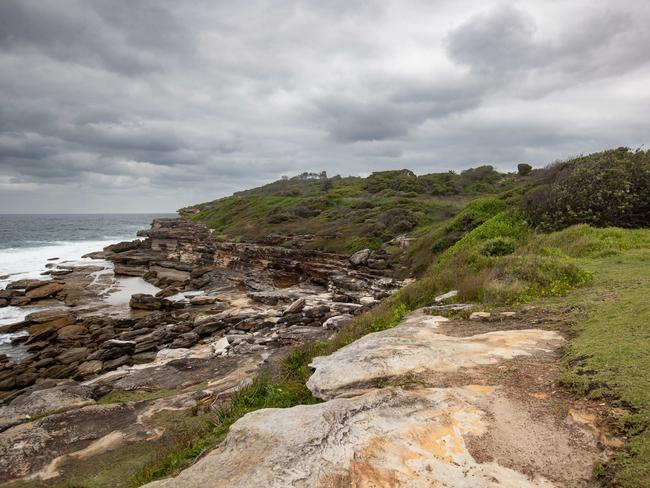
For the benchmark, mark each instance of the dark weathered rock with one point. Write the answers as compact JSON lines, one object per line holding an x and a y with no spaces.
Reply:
{"x":128,"y":270}
{"x":73,"y":355}
{"x":143,"y":301}
{"x":185,"y":340}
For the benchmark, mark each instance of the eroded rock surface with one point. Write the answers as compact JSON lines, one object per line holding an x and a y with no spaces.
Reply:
{"x":388,"y":437}
{"x":468,"y":435}
{"x":416,"y":347}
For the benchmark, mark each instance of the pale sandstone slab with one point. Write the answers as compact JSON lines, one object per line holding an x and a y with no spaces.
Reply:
{"x":415,"y":347}
{"x":389,"y":437}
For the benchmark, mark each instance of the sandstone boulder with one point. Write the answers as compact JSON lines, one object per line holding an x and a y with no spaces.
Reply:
{"x":338,"y":321}
{"x":416,"y":346}
{"x":44,"y":291}
{"x":360,"y":258}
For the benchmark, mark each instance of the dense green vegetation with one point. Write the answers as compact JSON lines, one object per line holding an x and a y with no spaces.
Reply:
{"x":607,"y":188}
{"x":348,"y":214}
{"x":496,"y":250}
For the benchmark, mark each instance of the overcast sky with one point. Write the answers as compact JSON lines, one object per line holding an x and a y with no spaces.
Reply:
{"x":127,"y":106}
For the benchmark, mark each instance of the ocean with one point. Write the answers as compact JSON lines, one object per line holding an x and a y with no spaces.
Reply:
{"x":28,"y":241}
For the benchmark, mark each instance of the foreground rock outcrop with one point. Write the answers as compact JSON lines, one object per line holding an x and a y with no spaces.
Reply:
{"x":417,"y":347}
{"x":481,"y":432}
{"x":387,"y":437}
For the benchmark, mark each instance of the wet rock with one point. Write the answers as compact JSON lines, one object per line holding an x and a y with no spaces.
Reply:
{"x":4,"y":302}
{"x":25,"y":284}
{"x":40,"y":331}
{"x":143,"y":301}
{"x":50,"y":315}
{"x":128,"y":270}
{"x":124,"y":246}
{"x":19,"y":301}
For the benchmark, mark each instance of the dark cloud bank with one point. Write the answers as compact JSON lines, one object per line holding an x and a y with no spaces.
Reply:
{"x":110,"y":105}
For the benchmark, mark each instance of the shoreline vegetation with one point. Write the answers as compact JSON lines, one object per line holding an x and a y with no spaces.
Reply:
{"x":499,"y":252}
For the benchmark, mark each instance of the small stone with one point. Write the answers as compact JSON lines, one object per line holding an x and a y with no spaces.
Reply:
{"x":220,"y":346}
{"x":480,"y":315}
{"x":446,"y":296}
{"x":360,"y":258}
{"x":296,"y":306}
{"x":337,"y":322}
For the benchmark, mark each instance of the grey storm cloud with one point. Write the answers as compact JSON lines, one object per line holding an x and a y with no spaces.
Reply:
{"x":149,"y":105}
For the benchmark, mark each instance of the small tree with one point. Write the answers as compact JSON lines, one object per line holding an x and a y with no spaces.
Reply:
{"x":524,"y":169}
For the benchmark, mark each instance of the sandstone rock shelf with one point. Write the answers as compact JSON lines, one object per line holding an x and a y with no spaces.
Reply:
{"x":478,"y":431}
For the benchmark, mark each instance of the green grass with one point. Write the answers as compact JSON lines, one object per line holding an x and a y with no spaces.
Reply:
{"x":610,"y":355}
{"x":348,"y":214}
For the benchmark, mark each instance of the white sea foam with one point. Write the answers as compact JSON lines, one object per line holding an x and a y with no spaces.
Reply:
{"x":29,"y":262}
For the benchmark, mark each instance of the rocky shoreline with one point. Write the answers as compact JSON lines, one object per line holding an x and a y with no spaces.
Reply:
{"x":220,"y":312}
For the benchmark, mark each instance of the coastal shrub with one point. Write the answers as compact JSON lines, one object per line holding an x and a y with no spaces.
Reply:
{"x":305,"y":212}
{"x":524,"y":169}
{"x":480,"y":179}
{"x":398,"y":220}
{"x":476,"y":212}
{"x":508,"y":224}
{"x":610,"y":188}
{"x":498,"y":246}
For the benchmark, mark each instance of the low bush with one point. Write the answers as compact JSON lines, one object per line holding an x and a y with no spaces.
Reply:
{"x":498,"y":246}
{"x":603,"y":189}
